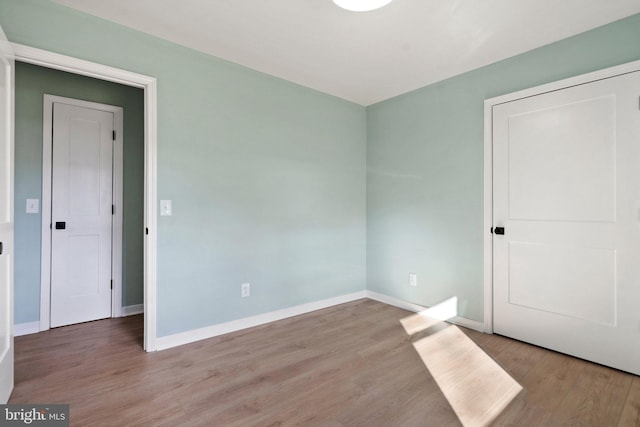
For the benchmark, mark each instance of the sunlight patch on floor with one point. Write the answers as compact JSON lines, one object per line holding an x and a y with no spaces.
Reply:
{"x":431,"y":316}
{"x":475,"y":386}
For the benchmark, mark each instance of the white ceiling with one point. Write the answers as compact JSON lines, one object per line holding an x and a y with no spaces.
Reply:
{"x":364,"y":57}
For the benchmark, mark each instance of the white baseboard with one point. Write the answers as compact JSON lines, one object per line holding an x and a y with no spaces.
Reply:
{"x":169,"y":341}
{"x":26,"y":328}
{"x":395,"y":302}
{"x":249,"y":322}
{"x":131,"y":310}
{"x":468,"y":323}
{"x":461,"y":321}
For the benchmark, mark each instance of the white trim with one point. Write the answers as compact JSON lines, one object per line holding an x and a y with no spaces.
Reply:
{"x":7,"y":348}
{"x":487,"y":220}
{"x":467,"y":323}
{"x":78,"y":66}
{"x":187,"y":337}
{"x":605,"y":73}
{"x":405,"y":305}
{"x":45,"y":208}
{"x":488,"y":163}
{"x":26,"y":328}
{"x":45,"y":247}
{"x":73,"y":65}
{"x":386,"y":299}
{"x":150,"y":215}
{"x":132,"y":310}
{"x":117,"y":225}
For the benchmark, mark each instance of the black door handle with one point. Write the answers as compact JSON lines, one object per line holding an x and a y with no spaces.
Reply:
{"x":0,"y":248}
{"x":61,"y":225}
{"x":498,"y":230}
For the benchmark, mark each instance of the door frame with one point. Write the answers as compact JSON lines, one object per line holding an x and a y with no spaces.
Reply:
{"x":116,"y":229}
{"x":488,"y":164}
{"x":149,"y":85}
{"x":6,"y":298}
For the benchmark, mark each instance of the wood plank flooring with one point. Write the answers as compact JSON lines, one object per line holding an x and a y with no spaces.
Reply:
{"x":349,"y":365}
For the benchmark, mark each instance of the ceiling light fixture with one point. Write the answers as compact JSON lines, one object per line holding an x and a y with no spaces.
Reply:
{"x":361,"y":5}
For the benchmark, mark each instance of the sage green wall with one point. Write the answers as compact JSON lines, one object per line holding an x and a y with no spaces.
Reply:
{"x":267,"y":177}
{"x":268,"y":180}
{"x":425,"y":168}
{"x":32,"y":82}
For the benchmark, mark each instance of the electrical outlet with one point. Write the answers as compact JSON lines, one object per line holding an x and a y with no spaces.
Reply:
{"x":413,"y":279}
{"x":245,"y":290}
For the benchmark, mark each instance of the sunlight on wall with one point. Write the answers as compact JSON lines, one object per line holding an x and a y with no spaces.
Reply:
{"x":475,"y":386}
{"x":431,"y":316}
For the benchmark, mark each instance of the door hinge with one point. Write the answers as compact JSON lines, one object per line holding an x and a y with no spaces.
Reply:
{"x":114,"y":135}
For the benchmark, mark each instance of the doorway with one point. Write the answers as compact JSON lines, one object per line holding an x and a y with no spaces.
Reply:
{"x":54,"y":61}
{"x":565,"y":227}
{"x":80,"y":102}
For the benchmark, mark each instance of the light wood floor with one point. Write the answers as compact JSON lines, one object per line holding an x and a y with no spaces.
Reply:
{"x":349,"y":365}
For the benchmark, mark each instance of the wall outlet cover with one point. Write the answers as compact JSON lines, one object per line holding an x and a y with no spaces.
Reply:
{"x":245,"y":290}
{"x":413,"y":279}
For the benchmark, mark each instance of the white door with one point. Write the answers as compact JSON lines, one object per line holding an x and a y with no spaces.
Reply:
{"x":567,"y":193}
{"x":81,"y":213}
{"x":6,"y":218}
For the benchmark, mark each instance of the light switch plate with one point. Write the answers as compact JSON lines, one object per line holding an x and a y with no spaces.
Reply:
{"x":165,"y":207}
{"x":33,"y":206}
{"x":413,"y":279}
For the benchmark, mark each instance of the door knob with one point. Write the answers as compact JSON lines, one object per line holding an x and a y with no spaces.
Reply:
{"x":61,"y":225}
{"x":499,"y":230}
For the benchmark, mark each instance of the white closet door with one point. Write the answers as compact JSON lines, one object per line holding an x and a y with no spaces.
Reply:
{"x":567,"y":193}
{"x":82,"y":188}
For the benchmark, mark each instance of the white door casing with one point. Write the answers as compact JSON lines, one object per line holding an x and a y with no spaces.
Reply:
{"x":6,"y":217}
{"x":566,"y":188}
{"x":82,"y":214}
{"x":48,"y":225}
{"x":149,"y":85}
